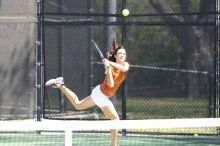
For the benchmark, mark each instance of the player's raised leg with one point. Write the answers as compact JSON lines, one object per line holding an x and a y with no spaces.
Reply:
{"x":78,"y":104}
{"x":71,"y":96}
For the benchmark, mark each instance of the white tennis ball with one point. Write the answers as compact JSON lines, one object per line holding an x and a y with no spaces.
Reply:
{"x":125,"y":12}
{"x":196,"y":135}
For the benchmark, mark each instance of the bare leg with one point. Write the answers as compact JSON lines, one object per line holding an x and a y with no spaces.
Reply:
{"x":72,"y":97}
{"x":111,"y":113}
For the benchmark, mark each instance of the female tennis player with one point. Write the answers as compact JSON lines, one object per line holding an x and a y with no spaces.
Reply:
{"x":115,"y":71}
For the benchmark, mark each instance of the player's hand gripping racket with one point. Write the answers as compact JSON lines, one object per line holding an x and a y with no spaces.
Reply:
{"x":98,"y":49}
{"x":100,"y":53}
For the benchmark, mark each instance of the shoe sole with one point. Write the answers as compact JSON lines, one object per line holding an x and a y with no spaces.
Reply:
{"x":49,"y":82}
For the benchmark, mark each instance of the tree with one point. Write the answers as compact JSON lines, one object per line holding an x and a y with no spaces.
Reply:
{"x":196,"y":41}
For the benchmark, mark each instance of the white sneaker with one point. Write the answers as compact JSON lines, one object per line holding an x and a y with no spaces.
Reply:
{"x":55,"y":82}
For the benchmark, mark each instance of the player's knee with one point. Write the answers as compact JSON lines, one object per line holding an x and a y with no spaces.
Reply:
{"x":78,"y":107}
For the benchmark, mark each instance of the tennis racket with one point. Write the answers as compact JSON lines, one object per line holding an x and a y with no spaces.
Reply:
{"x":98,"y":49}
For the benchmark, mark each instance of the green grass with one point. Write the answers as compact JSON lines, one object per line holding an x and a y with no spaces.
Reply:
{"x":169,"y":108}
{"x":155,"y":108}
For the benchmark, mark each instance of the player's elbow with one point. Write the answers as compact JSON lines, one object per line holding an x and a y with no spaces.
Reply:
{"x":125,"y":68}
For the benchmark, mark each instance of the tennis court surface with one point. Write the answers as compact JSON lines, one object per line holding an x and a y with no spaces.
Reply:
{"x":170,"y":132}
{"x":103,"y":140}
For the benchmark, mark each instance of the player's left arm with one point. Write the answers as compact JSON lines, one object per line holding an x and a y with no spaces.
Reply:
{"x":122,"y":67}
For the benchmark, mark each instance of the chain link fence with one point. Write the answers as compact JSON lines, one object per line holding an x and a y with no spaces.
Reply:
{"x":171,"y":48}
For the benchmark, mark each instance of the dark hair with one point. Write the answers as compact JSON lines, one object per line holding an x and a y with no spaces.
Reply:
{"x":111,"y":54}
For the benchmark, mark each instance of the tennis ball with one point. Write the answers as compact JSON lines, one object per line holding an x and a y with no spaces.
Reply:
{"x":196,"y":135}
{"x":125,"y":12}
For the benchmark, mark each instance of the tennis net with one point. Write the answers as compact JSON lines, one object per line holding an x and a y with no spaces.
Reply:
{"x":172,"y":132}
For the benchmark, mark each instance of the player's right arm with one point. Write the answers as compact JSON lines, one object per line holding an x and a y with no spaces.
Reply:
{"x":108,"y":73}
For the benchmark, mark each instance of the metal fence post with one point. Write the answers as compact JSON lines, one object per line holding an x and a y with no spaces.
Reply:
{"x":39,"y":59}
{"x":123,"y":28}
